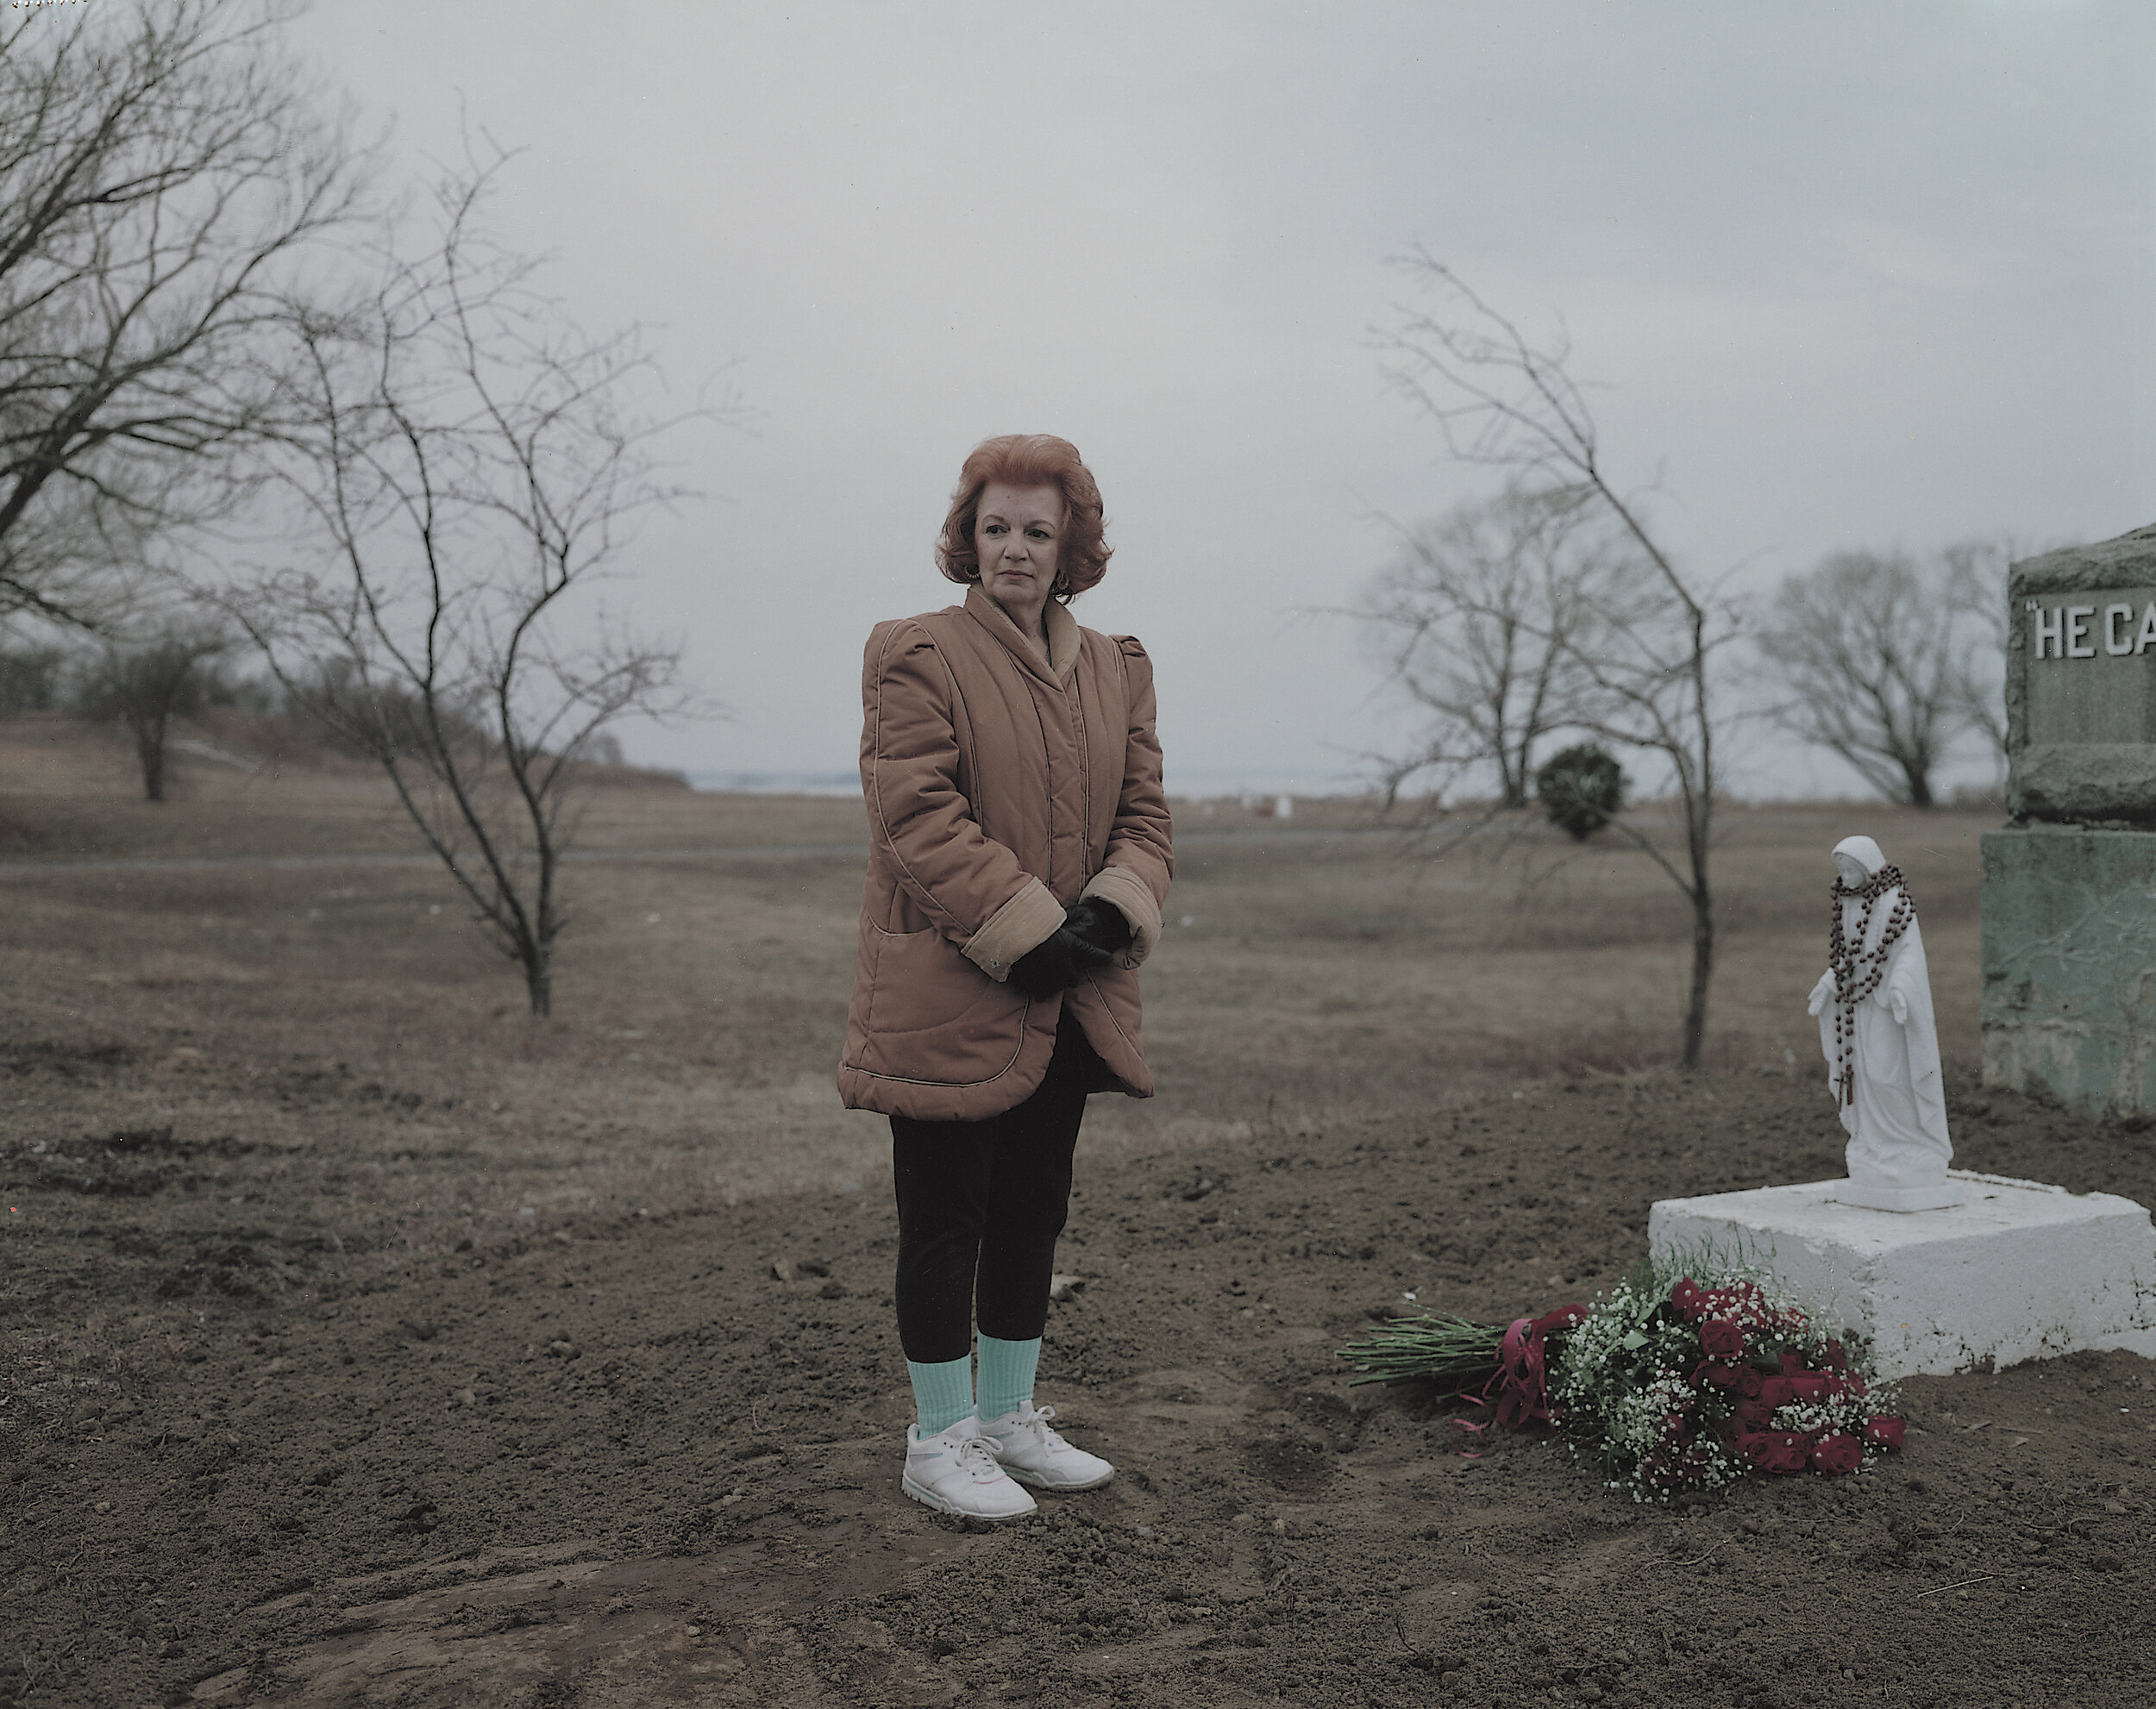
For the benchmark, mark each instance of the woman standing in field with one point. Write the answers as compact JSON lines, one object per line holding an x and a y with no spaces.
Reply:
{"x":1019,"y":855}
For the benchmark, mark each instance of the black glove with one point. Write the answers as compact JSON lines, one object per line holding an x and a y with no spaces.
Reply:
{"x":1089,"y":936}
{"x":1100,"y":924}
{"x":1054,"y":964}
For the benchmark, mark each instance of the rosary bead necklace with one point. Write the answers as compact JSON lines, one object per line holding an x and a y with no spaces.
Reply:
{"x":1856,"y":972}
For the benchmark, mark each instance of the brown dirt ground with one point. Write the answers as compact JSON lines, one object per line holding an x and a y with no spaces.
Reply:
{"x":367,"y":1343}
{"x":612,"y":1460}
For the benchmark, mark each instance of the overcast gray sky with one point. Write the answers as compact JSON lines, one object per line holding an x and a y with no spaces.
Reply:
{"x":1854,"y":275}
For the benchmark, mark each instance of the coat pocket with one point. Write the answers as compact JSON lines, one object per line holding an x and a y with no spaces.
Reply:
{"x":933,"y":1016}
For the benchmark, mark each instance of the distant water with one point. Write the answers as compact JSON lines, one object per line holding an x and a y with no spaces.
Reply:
{"x":1204,"y":785}
{"x":777,"y":783}
{"x":1183,"y":783}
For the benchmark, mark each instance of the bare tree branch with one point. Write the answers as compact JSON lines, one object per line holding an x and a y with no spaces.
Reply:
{"x":1639,"y":637}
{"x":1975,"y":586}
{"x":463,"y":471}
{"x":1471,"y":621}
{"x":147,"y":681}
{"x":1880,"y":656}
{"x":165,"y":174}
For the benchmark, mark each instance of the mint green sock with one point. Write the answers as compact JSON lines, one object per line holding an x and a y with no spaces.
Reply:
{"x":943,"y":1394}
{"x":1007,"y":1375}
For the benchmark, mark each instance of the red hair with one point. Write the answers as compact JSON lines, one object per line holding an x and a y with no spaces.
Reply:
{"x":1029,"y":459}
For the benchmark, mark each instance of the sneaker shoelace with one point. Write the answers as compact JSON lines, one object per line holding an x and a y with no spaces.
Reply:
{"x":978,"y":1454}
{"x":1037,"y":1423}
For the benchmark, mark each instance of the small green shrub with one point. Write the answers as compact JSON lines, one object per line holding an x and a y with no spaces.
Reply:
{"x":1581,"y":789}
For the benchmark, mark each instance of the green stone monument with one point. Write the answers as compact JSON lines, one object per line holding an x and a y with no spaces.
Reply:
{"x":2069,"y":909}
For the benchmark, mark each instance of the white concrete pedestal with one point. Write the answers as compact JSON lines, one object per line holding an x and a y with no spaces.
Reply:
{"x":2017,"y":1270}
{"x":1936,"y":1197}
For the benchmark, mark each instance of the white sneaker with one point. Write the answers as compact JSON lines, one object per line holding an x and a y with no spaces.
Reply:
{"x":955,"y":1471}
{"x":1033,"y":1453}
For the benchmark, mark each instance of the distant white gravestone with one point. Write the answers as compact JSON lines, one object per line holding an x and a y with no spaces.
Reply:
{"x":1876,"y":1027}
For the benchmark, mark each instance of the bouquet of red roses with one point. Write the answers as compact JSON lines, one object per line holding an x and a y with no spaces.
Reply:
{"x":1678,"y":1385}
{"x":1672,"y":1383}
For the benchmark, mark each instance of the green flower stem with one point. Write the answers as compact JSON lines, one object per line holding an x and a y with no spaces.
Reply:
{"x":1451,"y":1352}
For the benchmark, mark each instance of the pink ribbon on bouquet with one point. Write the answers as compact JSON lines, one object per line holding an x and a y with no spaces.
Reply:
{"x":1517,"y":1395}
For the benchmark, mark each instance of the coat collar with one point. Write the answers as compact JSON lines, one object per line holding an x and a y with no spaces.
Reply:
{"x":1063,"y":635}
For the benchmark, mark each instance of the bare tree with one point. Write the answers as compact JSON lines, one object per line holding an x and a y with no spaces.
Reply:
{"x":1976,"y":584}
{"x":462,"y":467}
{"x":33,"y":678}
{"x":1881,"y":661}
{"x":164,"y":170}
{"x":1473,"y":618}
{"x":1638,"y":656}
{"x":147,"y":684}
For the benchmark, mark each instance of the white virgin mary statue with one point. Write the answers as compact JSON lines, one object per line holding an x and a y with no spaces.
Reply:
{"x":1874,"y":1005}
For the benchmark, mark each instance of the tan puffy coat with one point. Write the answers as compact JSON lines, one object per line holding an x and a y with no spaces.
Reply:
{"x":1001,"y":786}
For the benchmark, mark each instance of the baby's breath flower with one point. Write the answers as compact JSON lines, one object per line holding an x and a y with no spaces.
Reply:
{"x":1630,"y":1384}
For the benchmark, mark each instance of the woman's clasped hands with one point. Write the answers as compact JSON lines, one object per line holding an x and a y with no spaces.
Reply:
{"x":1090,"y":936}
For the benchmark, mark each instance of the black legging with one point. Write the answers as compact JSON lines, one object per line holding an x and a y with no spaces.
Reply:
{"x":989,"y":1195}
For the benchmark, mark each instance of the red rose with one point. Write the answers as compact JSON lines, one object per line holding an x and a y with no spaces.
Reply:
{"x":1749,"y":1382}
{"x":1781,"y":1452}
{"x":1835,"y":1452}
{"x":1776,"y":1392}
{"x":1690,"y":1303}
{"x":1720,"y":1302}
{"x":1737,"y":1297}
{"x":1792,"y":1451}
{"x":1671,"y":1466}
{"x":1719,"y":1338}
{"x":1754,"y":1415}
{"x":1716,"y":1372}
{"x":1809,"y":1387}
{"x":1883,"y":1432}
{"x":1792,"y":1363}
{"x":1837,"y":1360}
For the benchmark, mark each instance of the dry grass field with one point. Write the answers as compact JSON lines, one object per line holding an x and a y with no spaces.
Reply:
{"x":1312,"y":967}
{"x":370,"y":1342}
